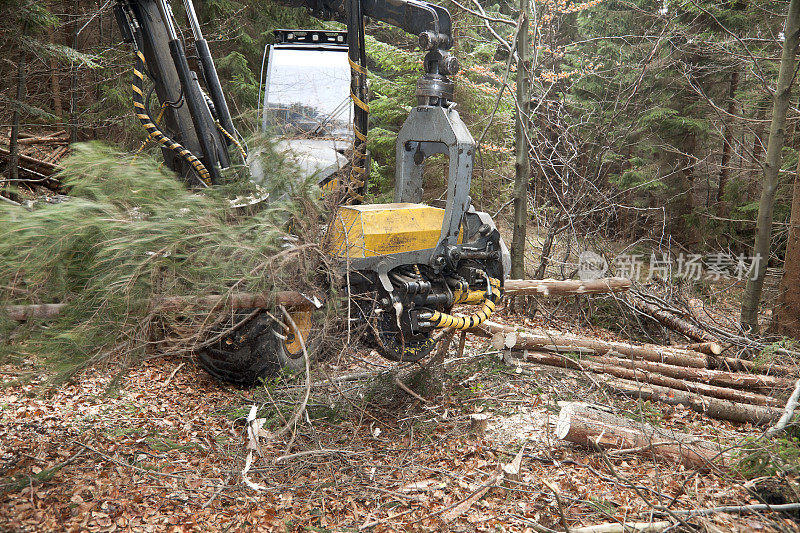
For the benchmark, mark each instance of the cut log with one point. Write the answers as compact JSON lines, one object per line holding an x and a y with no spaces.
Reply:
{"x":603,"y":365}
{"x":671,"y":321}
{"x":532,"y":340}
{"x":36,"y":164}
{"x":589,"y":425}
{"x":554,"y":287}
{"x":736,"y":380}
{"x":240,"y":300}
{"x":713,"y":407}
{"x":43,"y":140}
{"x":708,"y":348}
{"x":56,"y":155}
{"x":20,"y":313}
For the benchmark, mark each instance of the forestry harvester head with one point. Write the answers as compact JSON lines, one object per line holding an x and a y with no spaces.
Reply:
{"x":407,"y":264}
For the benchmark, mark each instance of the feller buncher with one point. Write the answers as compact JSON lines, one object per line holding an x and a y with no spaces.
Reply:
{"x":408,"y":264}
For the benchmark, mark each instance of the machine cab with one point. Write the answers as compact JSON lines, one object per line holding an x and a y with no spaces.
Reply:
{"x":306,"y":99}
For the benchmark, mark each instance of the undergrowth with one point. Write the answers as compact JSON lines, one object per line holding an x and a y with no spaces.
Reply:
{"x":129,"y":235}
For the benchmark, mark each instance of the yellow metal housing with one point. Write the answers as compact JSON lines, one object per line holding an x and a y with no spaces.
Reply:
{"x":378,"y":229}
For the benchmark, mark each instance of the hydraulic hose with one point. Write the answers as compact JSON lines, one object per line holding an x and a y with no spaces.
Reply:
{"x":445,"y":320}
{"x":233,"y":140}
{"x":147,"y":122}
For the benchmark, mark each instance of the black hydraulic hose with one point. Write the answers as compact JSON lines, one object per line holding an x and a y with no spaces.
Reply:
{"x":213,"y":85}
{"x":197,"y":106}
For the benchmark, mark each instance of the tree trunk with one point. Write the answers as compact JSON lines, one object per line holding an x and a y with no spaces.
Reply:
{"x":761,"y":248}
{"x":547,"y":248}
{"x":73,"y":82}
{"x":13,"y":143}
{"x":588,"y":425}
{"x":553,"y":287}
{"x":521,"y":165}
{"x":236,"y":300}
{"x":786,"y":316}
{"x":727,"y":143}
{"x":713,"y":407}
{"x":55,"y":81}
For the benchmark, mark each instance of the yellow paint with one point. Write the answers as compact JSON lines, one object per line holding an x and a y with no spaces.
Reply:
{"x":380,"y":229}
{"x":302,"y":319}
{"x":469,"y":297}
{"x":330,"y":186}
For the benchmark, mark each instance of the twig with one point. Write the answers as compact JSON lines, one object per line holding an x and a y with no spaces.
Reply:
{"x":788,"y":412}
{"x":172,"y":375}
{"x":406,"y":389}
{"x":559,"y":504}
{"x":385,"y":519}
{"x":321,"y":451}
{"x":671,"y":513}
{"x":128,"y":465}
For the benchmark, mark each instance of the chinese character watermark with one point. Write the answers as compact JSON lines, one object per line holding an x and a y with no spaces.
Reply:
{"x":693,"y":267}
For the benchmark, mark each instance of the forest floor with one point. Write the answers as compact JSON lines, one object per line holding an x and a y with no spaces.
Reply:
{"x":163,"y":450}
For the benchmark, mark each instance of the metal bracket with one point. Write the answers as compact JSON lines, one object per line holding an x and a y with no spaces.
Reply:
{"x":429,"y":130}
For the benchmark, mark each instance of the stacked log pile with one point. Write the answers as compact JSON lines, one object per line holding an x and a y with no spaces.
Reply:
{"x":39,"y":155}
{"x":669,"y":374}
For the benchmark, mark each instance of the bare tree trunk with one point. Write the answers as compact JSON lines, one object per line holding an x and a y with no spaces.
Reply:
{"x":547,"y":248}
{"x":521,"y":165}
{"x":777,"y":133}
{"x":13,"y":144}
{"x":55,"y":81}
{"x":787,"y":308}
{"x":73,"y":84}
{"x":727,"y":142}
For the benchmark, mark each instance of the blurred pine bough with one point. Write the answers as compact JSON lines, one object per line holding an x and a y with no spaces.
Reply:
{"x":130,"y":234}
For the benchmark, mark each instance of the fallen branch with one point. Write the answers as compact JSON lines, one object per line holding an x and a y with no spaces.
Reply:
{"x":41,"y":166}
{"x":625,"y":527}
{"x":788,"y":412}
{"x":554,"y":287}
{"x":671,"y":321}
{"x":752,"y":508}
{"x":463,"y":506}
{"x":588,"y":425}
{"x":42,"y":140}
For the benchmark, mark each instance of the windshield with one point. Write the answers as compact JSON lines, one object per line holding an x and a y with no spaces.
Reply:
{"x":308,"y":93}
